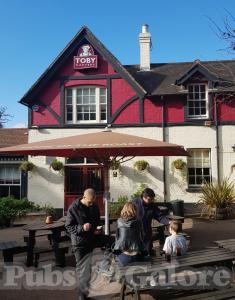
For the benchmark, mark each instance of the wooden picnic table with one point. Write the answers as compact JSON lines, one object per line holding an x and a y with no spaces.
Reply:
{"x":56,"y":227}
{"x":195,"y":259}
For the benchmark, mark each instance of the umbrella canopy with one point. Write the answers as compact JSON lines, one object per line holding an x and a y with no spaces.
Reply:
{"x":99,"y":146}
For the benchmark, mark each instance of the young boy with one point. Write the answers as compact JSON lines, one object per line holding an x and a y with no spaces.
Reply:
{"x":175,"y":244}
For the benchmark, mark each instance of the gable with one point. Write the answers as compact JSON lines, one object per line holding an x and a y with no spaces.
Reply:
{"x":63,"y":66}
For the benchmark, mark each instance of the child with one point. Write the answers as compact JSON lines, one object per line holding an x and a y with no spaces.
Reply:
{"x":175,"y":245}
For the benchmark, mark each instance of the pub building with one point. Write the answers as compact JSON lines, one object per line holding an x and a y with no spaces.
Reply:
{"x":86,"y":89}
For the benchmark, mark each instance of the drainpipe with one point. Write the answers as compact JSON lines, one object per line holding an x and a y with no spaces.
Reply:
{"x":164,"y":139}
{"x":217,"y":137}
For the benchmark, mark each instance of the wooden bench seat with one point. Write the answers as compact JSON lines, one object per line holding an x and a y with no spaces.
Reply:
{"x":61,"y":251}
{"x":10,"y":248}
{"x":193,"y":259}
{"x":42,"y":233}
{"x":222,"y":294}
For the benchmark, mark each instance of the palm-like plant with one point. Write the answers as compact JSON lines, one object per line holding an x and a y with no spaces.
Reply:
{"x":216,"y":197}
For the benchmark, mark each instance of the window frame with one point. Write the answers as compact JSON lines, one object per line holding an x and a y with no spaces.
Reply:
{"x":97,"y":104}
{"x":199,"y":186}
{"x":197,"y":117}
{"x":11,"y":184}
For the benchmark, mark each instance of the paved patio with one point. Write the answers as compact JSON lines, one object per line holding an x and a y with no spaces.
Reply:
{"x":203,"y":232}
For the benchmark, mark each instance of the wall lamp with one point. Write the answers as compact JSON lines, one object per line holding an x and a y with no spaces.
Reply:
{"x":233,"y":147}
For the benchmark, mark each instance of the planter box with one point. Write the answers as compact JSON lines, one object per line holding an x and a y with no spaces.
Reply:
{"x":30,"y":218}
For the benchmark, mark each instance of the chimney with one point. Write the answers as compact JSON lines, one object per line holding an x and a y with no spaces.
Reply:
{"x":145,"y":45}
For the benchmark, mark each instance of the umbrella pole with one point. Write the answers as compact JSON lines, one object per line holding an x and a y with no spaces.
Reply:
{"x":106,"y":198}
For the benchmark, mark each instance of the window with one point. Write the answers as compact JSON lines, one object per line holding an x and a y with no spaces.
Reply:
{"x":86,"y":105}
{"x":199,"y":168}
{"x":10,"y":180}
{"x":80,"y":161}
{"x":197,"y":102}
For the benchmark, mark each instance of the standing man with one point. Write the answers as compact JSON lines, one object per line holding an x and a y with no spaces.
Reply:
{"x":147,"y":211}
{"x":82,"y":222}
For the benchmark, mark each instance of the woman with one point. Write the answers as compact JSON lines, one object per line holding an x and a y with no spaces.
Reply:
{"x":129,"y":243}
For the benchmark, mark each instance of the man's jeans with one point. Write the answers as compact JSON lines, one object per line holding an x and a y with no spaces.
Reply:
{"x":83,"y":256}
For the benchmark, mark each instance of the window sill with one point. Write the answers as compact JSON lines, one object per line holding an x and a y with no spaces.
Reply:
{"x":194,"y":190}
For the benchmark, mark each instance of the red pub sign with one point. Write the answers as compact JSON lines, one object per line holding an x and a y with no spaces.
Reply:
{"x":85,"y":58}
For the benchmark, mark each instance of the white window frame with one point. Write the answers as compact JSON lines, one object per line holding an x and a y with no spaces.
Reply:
{"x":202,"y":166}
{"x":204,"y":116}
{"x":74,"y":105}
{"x":81,"y":164}
{"x":11,"y":184}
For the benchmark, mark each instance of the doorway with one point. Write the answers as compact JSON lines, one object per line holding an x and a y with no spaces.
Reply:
{"x":80,"y":177}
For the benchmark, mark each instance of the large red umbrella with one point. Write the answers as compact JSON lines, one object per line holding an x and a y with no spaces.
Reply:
{"x":103,"y":147}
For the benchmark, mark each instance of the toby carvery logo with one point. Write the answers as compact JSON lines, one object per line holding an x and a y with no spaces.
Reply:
{"x":85,"y":58}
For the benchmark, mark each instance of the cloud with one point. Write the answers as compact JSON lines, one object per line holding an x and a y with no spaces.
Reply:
{"x":19,"y":125}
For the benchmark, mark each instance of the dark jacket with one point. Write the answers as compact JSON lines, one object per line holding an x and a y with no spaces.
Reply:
{"x":129,"y":236}
{"x":78,"y":214}
{"x":146,"y":213}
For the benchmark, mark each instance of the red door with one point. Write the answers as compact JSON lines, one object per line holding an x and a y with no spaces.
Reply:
{"x":79,"y":178}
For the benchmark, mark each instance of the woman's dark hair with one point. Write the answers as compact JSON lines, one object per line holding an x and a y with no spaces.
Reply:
{"x":147,"y":192}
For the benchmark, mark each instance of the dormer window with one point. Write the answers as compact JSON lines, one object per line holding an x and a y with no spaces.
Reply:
{"x":197,"y":101}
{"x":86,"y":104}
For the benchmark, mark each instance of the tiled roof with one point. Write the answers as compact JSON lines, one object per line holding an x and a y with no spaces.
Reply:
{"x":161,"y":78}
{"x":13,"y":136}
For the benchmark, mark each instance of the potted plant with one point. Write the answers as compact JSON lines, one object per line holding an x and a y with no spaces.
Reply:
{"x":179,"y":164}
{"x":141,"y":165}
{"x":27,"y":166}
{"x":57,"y":165}
{"x":217,"y":199}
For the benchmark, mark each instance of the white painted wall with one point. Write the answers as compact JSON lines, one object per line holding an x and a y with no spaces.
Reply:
{"x":46,"y":186}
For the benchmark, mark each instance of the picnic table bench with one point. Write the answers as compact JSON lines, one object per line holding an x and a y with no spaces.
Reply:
{"x":193,"y":259}
{"x":223,"y":294}
{"x":10,"y":248}
{"x":226,"y":244}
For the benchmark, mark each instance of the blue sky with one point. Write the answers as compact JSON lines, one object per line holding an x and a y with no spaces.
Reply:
{"x":32,"y":33}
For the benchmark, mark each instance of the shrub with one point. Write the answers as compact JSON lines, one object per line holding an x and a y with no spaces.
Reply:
{"x":10,"y":208}
{"x":139,"y":191}
{"x":217,"y":196}
{"x":115,"y":208}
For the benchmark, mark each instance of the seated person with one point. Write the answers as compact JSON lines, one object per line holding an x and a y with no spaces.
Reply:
{"x":129,"y":237}
{"x":175,"y":244}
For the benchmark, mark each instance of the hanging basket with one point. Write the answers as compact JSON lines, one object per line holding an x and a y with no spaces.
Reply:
{"x":27,"y":166}
{"x":179,"y":164}
{"x":57,"y":165}
{"x":141,"y":165}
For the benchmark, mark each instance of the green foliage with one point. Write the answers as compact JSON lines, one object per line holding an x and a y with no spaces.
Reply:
{"x":179,"y":164}
{"x":115,"y":208}
{"x":57,"y":165}
{"x":11,"y":208}
{"x":139,"y":191}
{"x":141,"y":165}
{"x":49,"y":209}
{"x":217,"y":196}
{"x":27,"y":166}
